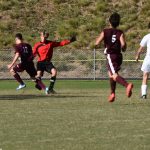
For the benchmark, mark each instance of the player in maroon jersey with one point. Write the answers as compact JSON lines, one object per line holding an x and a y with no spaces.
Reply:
{"x":114,"y":42}
{"x":24,"y":51}
{"x":44,"y":51}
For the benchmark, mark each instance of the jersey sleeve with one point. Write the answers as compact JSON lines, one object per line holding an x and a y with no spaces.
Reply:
{"x":16,"y":48}
{"x":144,"y":41}
{"x":34,"y":51}
{"x":62,"y":43}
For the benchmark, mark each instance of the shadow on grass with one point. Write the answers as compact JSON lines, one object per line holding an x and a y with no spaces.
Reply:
{"x":38,"y":97}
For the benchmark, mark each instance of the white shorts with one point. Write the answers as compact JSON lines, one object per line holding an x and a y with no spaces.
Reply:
{"x":146,"y":64}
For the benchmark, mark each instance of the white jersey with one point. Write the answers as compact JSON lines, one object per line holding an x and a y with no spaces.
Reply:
{"x":146,"y":43}
{"x":146,"y":63}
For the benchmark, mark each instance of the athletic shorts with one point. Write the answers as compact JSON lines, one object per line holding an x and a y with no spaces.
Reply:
{"x":45,"y":66}
{"x":114,"y":62}
{"x":28,"y":67}
{"x":146,"y":64}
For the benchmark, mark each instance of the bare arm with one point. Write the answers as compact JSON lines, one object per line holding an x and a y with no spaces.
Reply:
{"x":137,"y":57}
{"x":123,"y":43}
{"x":99,"y":39}
{"x":14,"y":60}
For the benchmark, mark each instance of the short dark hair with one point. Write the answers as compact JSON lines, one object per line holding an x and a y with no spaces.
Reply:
{"x":19,"y":36}
{"x":45,"y":33}
{"x":114,"y":20}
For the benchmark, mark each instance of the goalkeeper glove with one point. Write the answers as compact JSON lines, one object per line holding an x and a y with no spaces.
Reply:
{"x":73,"y":38}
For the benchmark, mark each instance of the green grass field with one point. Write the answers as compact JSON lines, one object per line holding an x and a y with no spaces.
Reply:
{"x":78,"y":117}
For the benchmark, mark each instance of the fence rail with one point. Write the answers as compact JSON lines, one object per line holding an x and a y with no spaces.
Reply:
{"x":77,"y":64}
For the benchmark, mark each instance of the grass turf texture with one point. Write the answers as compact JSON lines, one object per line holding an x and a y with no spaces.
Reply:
{"x":77,"y":118}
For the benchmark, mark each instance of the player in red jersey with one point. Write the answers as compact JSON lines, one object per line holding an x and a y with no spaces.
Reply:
{"x":114,"y":42}
{"x":44,"y":51}
{"x":24,"y":51}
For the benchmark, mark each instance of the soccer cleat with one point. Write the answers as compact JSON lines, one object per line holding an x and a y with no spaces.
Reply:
{"x":143,"y":97}
{"x":47,"y":91}
{"x":111,"y":98}
{"x":52,"y":91}
{"x":21,"y":86}
{"x":129,"y":89}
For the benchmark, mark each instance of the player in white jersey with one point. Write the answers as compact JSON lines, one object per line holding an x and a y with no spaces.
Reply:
{"x":146,"y":63}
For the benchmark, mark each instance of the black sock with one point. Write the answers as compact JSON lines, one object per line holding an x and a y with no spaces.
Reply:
{"x":52,"y":82}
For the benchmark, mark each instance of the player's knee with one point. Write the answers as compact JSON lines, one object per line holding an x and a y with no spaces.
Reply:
{"x":114,"y":76}
{"x":54,"y":72}
{"x":12,"y":71}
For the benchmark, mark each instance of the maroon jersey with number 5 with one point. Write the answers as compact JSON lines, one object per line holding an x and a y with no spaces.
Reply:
{"x":112,"y":40}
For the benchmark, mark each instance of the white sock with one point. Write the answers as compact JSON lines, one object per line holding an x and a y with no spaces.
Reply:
{"x":144,"y":89}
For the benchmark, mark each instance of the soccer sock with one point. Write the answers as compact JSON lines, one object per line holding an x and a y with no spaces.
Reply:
{"x":17,"y":77}
{"x":41,"y":84}
{"x":144,"y":90}
{"x":112,"y":85}
{"x":52,"y":82}
{"x":122,"y":81}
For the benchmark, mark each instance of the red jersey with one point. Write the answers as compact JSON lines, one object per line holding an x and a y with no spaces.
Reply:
{"x":44,"y":50}
{"x":25,"y":52}
{"x":112,"y":40}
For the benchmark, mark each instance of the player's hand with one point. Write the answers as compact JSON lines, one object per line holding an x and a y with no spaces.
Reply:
{"x":123,"y":49}
{"x":9,"y":66}
{"x":96,"y":46}
{"x":73,"y":38}
{"x":137,"y":58}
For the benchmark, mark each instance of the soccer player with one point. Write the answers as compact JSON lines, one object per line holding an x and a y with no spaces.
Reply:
{"x":114,"y":42}
{"x":24,"y":52}
{"x":44,"y":51}
{"x":146,"y":63}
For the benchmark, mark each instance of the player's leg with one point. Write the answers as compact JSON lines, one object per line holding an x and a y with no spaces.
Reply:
{"x":114,"y":63}
{"x":52,"y":80}
{"x":144,"y":85}
{"x":129,"y":86}
{"x":35,"y":76}
{"x":120,"y":79}
{"x":14,"y":72}
{"x":50,"y":68}
{"x":146,"y":69}
{"x":111,"y":98}
{"x":39,"y":83}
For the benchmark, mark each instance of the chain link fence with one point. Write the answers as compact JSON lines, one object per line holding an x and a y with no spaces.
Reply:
{"x":77,"y":64}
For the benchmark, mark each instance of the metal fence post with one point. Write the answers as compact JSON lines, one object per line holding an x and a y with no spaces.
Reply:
{"x":94,"y":64}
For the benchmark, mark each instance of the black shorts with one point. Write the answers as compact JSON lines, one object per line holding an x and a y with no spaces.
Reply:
{"x":114,"y":62}
{"x":45,"y":66}
{"x":28,"y":67}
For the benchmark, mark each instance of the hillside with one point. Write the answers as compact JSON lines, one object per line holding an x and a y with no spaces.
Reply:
{"x":63,"y":18}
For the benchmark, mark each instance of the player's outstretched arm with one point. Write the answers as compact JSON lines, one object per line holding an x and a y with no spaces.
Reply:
{"x":137,"y":57}
{"x":14,"y":60}
{"x":64,"y":42}
{"x":99,"y":39}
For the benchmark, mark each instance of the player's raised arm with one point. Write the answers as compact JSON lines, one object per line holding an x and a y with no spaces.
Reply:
{"x":123,"y":43}
{"x":99,"y":39}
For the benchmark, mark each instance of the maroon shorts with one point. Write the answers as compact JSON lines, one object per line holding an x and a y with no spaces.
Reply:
{"x":28,"y":67}
{"x":114,"y":62}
